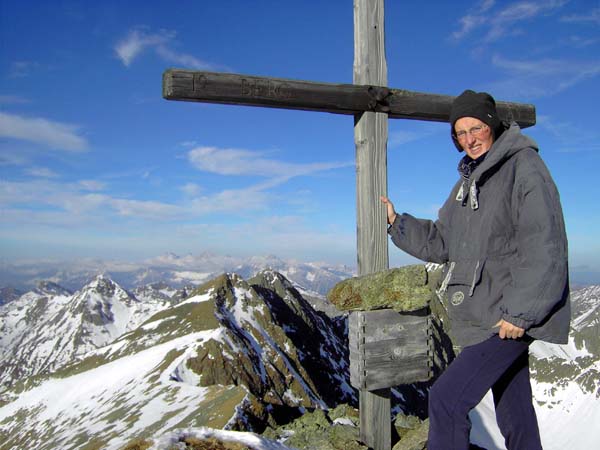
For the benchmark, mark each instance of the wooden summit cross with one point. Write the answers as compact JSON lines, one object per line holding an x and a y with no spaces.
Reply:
{"x":371,"y":103}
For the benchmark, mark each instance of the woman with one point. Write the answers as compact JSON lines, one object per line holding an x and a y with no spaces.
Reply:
{"x":501,"y":234}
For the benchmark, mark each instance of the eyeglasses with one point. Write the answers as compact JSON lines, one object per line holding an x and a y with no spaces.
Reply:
{"x":475,"y":131}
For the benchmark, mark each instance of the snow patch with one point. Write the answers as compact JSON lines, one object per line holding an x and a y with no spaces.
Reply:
{"x":198,"y":298}
{"x":251,"y":440}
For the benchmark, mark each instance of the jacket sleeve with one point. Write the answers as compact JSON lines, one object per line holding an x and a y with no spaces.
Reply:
{"x":540,"y":272}
{"x":421,"y":238}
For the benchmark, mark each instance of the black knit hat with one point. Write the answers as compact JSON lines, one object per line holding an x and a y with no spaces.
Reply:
{"x":480,"y":105}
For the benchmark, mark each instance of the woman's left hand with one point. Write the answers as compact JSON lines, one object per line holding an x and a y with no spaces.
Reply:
{"x":508,"y":330}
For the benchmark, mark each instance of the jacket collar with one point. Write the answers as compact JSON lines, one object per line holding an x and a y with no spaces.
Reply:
{"x":507,"y":145}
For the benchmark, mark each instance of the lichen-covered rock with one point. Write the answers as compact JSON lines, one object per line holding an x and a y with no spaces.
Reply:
{"x":402,"y":289}
{"x":414,"y":437}
{"x":319,"y":430}
{"x":345,"y":412}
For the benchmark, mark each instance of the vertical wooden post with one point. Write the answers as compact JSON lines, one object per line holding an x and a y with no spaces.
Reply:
{"x":370,"y":136}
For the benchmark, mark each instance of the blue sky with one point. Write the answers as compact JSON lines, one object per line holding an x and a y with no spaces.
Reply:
{"x":94,"y":163}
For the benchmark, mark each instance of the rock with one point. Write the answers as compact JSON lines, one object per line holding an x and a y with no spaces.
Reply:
{"x":320,"y":430}
{"x":414,"y":438}
{"x":403,"y":423}
{"x":345,"y":411}
{"x":402,"y":289}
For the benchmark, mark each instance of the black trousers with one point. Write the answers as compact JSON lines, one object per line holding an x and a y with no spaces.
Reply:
{"x":499,"y":364}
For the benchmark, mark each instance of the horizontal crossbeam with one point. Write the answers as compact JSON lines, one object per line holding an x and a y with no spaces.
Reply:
{"x":352,"y":99}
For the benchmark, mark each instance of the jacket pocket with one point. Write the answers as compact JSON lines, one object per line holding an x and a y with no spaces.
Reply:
{"x":461,"y":281}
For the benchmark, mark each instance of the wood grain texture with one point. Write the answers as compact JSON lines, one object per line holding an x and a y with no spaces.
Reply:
{"x":370,"y":138}
{"x":352,"y":99}
{"x":388,"y":349}
{"x":375,"y":414}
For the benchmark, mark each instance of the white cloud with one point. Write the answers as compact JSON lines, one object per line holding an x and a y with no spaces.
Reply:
{"x":538,"y":78}
{"x":474,"y":19}
{"x":52,"y":134}
{"x":139,"y":40}
{"x":182,"y":59}
{"x":284,"y":236}
{"x":13,"y":100}
{"x":191,"y":189}
{"x":145,"y":209}
{"x":9,"y":157}
{"x":78,"y":202}
{"x":417,"y":132}
{"x":42,"y":172}
{"x":74,"y":201}
{"x":231,"y":201}
{"x":569,"y":137}
{"x":593,"y":16}
{"x":245,"y":162}
{"x":22,"y":69}
{"x":92,"y":185}
{"x":500,"y":23}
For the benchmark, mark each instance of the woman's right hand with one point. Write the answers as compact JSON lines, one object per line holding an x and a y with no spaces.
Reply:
{"x":391,"y":213}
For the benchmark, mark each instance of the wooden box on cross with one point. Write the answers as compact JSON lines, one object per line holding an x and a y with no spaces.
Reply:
{"x":389,"y":348}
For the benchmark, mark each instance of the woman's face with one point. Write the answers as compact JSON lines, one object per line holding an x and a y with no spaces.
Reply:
{"x":474,"y":136}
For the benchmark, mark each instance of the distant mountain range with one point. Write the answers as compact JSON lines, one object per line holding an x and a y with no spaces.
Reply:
{"x":176,"y":271}
{"x":17,"y":277}
{"x":102,"y":365}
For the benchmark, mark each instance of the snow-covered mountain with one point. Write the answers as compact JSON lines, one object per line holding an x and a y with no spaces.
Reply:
{"x":236,"y":354}
{"x":233,"y":353}
{"x":49,"y":327}
{"x":176,"y":271}
{"x":8,"y":294}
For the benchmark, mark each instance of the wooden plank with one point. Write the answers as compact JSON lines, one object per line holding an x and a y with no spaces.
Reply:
{"x":386,"y":324}
{"x":405,"y":104}
{"x":370,"y":138}
{"x":352,"y":99}
{"x":375,"y":414}
{"x":249,"y":90}
{"x":417,"y":336}
{"x":390,"y":373}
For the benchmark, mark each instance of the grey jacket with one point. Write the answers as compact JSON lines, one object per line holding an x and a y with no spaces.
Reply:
{"x":503,"y":236}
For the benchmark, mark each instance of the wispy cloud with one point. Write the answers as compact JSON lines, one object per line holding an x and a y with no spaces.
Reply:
{"x":161,"y":42}
{"x":22,"y":69}
{"x":593,"y":17}
{"x":232,"y":201}
{"x":226,"y":161}
{"x":473,"y":19}
{"x":9,"y":157}
{"x":500,"y":23}
{"x":539,"y":78}
{"x":570,"y":137}
{"x":59,"y":136}
{"x":41,"y":172}
{"x":91,"y":185}
{"x":581,"y":42}
{"x":137,"y":41}
{"x":75,"y":202}
{"x":284,"y":235}
{"x":417,"y":132}
{"x":81,"y":202}
{"x":191,"y":189}
{"x":13,"y":100}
